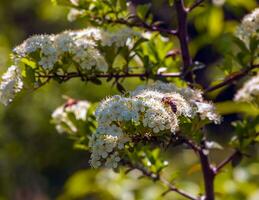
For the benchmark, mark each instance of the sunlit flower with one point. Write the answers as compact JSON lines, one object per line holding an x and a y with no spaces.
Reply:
{"x":64,"y":116}
{"x":10,"y":85}
{"x":154,"y":109}
{"x":250,"y":90}
{"x":249,"y":27}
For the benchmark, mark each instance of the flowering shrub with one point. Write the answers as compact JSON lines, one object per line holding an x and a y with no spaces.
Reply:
{"x":132,"y":129}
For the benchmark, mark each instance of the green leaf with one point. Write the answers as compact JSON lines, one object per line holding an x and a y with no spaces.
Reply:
{"x":240,"y":44}
{"x":28,"y":62}
{"x":30,"y":73}
{"x":142,"y":10}
{"x":237,"y":159}
{"x":253,"y":44}
{"x":122,"y":4}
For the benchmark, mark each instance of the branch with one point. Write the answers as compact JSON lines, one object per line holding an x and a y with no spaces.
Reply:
{"x":139,"y":24}
{"x":189,"y":143}
{"x":226,"y":161}
{"x":233,"y":77}
{"x":157,"y":177}
{"x":182,"y":35}
{"x":208,"y":174}
{"x":116,"y":76}
{"x":195,"y":5}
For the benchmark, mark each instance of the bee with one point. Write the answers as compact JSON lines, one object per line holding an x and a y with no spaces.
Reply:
{"x":169,"y":101}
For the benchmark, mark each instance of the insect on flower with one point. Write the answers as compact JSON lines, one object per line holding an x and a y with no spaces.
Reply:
{"x":170,"y":102}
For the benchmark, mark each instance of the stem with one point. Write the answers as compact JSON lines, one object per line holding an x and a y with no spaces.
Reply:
{"x":116,"y":76}
{"x":182,"y":34}
{"x":208,"y":175}
{"x":195,"y":5}
{"x":157,"y":177}
{"x":226,"y":161}
{"x":230,"y":79}
{"x":139,"y":24}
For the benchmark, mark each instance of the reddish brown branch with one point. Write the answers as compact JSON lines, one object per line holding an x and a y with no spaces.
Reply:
{"x":232,"y":78}
{"x":182,"y":35}
{"x":139,"y":24}
{"x":208,"y":175}
{"x":195,"y":5}
{"x":226,"y":161}
{"x":157,"y":177}
{"x":116,"y":76}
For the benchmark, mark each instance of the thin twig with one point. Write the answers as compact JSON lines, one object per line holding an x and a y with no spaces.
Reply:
{"x":226,"y":161}
{"x":139,"y":24}
{"x":175,"y":189}
{"x":233,"y":77}
{"x":189,"y":143}
{"x":195,"y":5}
{"x":182,"y":35}
{"x":208,"y":173}
{"x":116,"y":76}
{"x":157,"y":177}
{"x":208,"y":176}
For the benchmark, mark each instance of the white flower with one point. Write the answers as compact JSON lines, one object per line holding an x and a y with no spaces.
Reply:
{"x":61,"y":117}
{"x":75,"y":2}
{"x":249,"y":27}
{"x":84,"y":47}
{"x":207,"y":110}
{"x":10,"y":85}
{"x":250,"y":90}
{"x":118,"y":38}
{"x":155,"y":109}
{"x":74,"y":14}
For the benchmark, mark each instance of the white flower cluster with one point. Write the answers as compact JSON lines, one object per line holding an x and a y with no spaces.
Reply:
{"x":147,"y":111}
{"x":119,"y":38}
{"x":11,"y":84}
{"x":64,"y":116}
{"x":74,"y":14}
{"x":249,"y":26}
{"x":52,"y":48}
{"x":82,"y":46}
{"x":250,"y":91}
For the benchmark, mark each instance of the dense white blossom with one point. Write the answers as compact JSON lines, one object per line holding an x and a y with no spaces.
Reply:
{"x":82,"y":46}
{"x":250,"y":90}
{"x":74,"y":14}
{"x":61,"y":117}
{"x":249,"y":26}
{"x":119,"y":38}
{"x":148,"y":111}
{"x":11,"y":84}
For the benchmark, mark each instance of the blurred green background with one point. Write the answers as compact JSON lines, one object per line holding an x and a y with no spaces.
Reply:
{"x":36,"y":163}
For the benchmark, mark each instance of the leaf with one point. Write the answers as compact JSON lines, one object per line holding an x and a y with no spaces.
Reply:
{"x":215,"y":21}
{"x":122,"y":4}
{"x":28,"y":62}
{"x":240,"y":44}
{"x":139,"y":42}
{"x":142,"y":10}
{"x":30,"y":74}
{"x":236,"y":159}
{"x":253,"y":45}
